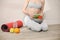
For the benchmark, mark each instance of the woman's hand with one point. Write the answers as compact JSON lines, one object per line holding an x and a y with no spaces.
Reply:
{"x":28,"y":12}
{"x":33,"y":11}
{"x":31,"y":14}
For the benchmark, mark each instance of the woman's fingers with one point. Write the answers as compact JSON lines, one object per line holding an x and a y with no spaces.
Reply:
{"x":31,"y":16}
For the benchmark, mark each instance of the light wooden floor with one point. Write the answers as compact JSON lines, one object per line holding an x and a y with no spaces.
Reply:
{"x":52,"y":34}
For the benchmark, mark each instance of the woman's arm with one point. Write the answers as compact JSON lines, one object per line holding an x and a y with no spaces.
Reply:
{"x":41,"y":11}
{"x":25,"y":7}
{"x":26,"y":10}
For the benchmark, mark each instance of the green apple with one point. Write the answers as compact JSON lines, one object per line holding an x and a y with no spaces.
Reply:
{"x":12,"y":30}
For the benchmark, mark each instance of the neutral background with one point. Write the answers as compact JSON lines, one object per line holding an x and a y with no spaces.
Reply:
{"x":11,"y":10}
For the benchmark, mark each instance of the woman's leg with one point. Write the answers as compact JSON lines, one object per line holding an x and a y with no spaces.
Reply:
{"x":32,"y":24}
{"x":44,"y":26}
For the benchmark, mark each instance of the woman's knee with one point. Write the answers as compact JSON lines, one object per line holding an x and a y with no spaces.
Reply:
{"x":44,"y":26}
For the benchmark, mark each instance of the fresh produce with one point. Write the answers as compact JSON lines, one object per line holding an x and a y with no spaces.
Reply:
{"x":16,"y":30}
{"x":37,"y":16}
{"x":12,"y":30}
{"x":40,"y":17}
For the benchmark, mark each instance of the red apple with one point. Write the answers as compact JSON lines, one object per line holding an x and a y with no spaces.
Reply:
{"x":40,"y":17}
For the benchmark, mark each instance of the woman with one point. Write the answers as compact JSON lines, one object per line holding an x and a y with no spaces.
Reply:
{"x":30,"y":8}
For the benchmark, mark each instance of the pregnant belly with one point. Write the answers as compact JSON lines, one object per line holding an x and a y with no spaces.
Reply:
{"x":33,"y":10}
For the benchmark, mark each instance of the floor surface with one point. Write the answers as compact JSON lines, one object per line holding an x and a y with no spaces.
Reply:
{"x":53,"y":33}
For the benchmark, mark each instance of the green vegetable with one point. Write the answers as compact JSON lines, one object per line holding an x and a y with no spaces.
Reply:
{"x":36,"y":16}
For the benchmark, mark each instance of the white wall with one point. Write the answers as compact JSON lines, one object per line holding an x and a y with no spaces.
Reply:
{"x":11,"y":10}
{"x":52,"y":10}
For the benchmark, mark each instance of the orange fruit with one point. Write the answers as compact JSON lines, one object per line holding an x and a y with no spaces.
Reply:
{"x":16,"y":30}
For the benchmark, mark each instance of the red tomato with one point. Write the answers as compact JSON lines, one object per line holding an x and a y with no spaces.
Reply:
{"x":40,"y":17}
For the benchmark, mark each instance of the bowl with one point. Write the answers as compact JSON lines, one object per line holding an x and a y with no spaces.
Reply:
{"x":38,"y":20}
